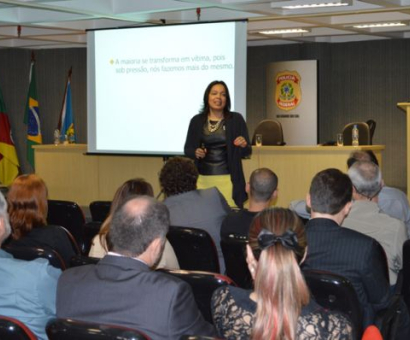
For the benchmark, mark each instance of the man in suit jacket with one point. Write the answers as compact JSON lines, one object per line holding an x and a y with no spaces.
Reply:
{"x":343,"y":251}
{"x":122,"y":289}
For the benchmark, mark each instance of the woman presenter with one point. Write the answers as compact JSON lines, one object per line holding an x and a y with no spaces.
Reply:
{"x":218,"y":140}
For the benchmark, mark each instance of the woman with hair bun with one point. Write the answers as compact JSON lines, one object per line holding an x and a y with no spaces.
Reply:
{"x":280,"y":307}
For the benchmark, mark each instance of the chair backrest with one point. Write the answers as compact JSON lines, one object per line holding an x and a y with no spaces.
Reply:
{"x":99,"y":210}
{"x":203,"y":285}
{"x":234,"y":251}
{"x":372,"y":128}
{"x":194,"y":248}
{"x":271,"y":131}
{"x":70,"y":216}
{"x":406,"y":273}
{"x":81,"y":260}
{"x":334,"y":292}
{"x":73,"y":241}
{"x":31,"y":253}
{"x":90,"y":229}
{"x":387,"y":320}
{"x":69,"y":329}
{"x":364,"y":133}
{"x":13,"y":329}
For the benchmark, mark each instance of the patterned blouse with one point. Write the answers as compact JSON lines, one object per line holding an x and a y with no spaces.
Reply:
{"x":233,"y":314}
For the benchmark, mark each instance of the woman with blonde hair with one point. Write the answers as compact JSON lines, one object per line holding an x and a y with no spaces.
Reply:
{"x":280,"y":307}
{"x":136,"y":186}
{"x":27,"y":209}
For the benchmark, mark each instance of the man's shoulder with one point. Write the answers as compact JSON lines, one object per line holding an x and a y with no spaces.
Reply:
{"x":378,"y":219}
{"x":209,"y":192}
{"x":392,"y":193}
{"x":122,"y":269}
{"x":237,"y":222}
{"x":326,"y":227}
{"x":236,"y":215}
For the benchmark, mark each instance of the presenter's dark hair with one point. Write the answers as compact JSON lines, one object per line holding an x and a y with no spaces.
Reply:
{"x":178,"y":175}
{"x":330,"y":191}
{"x":205,"y":106}
{"x":263,"y":183}
{"x":136,"y":223}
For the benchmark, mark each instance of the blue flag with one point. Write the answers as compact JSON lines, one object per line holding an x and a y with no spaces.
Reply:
{"x":66,"y":122}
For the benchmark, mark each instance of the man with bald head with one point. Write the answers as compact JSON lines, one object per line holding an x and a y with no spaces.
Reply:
{"x":262,"y":190}
{"x":123,"y":290}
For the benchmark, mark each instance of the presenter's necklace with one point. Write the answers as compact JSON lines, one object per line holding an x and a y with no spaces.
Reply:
{"x":213,"y":125}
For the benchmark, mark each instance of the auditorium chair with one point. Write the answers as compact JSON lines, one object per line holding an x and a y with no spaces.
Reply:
{"x":90,"y":230}
{"x":234,"y":252}
{"x":31,"y":253}
{"x":13,"y":329}
{"x":194,"y":249}
{"x":73,"y":241}
{"x":99,"y":210}
{"x":364,"y":133}
{"x":82,"y":260}
{"x":372,"y":127}
{"x":69,"y":215}
{"x":406,"y":273}
{"x":271,"y":131}
{"x":203,"y":284}
{"x":69,"y":329}
{"x":334,"y":292}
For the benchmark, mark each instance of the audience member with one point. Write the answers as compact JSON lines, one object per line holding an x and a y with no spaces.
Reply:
{"x":392,"y":201}
{"x":189,"y":207}
{"x":366,"y":217}
{"x":28,"y":207}
{"x":136,"y":186}
{"x":262,"y":191}
{"x":341,"y":250}
{"x":122,"y":290}
{"x":280,"y":307}
{"x":27,"y":288}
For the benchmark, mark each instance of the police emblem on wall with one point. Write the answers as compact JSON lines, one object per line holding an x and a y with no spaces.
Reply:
{"x":287,"y":91}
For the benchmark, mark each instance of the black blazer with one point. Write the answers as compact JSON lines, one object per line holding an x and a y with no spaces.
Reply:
{"x":235,"y":127}
{"x":353,"y":255}
{"x":124,"y":291}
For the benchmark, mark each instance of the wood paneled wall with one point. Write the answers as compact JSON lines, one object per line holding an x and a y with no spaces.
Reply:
{"x":357,"y":81}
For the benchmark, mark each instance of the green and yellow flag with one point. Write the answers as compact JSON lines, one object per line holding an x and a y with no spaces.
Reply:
{"x":32,"y":117}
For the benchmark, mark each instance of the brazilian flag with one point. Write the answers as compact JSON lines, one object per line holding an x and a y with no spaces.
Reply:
{"x":32,"y":117}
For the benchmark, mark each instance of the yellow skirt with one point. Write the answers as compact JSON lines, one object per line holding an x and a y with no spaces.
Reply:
{"x":222,"y":182}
